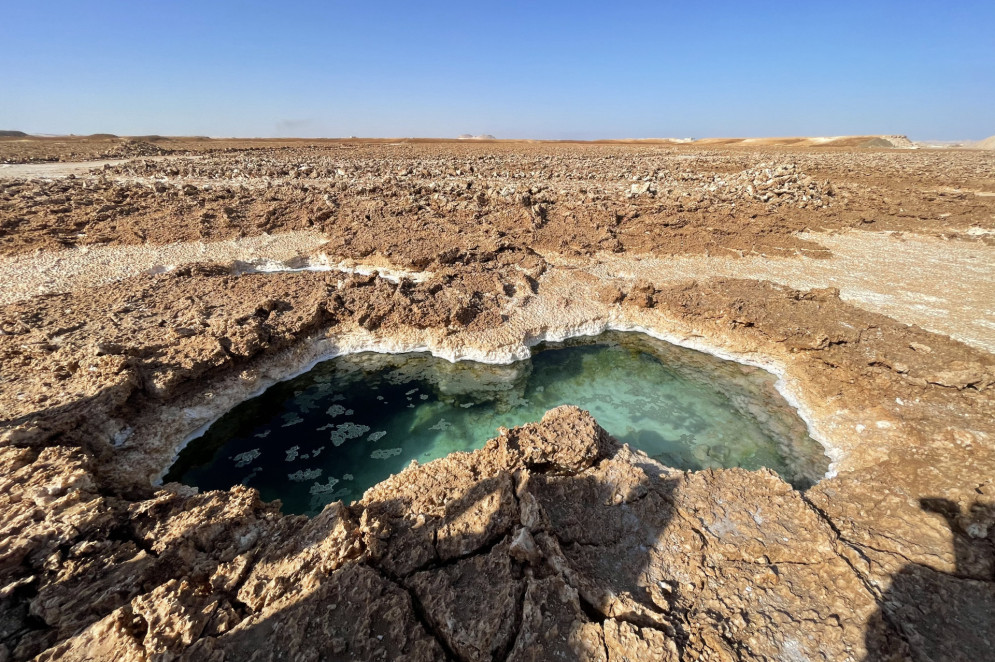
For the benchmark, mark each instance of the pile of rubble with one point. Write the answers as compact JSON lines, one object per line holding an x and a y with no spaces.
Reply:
{"x":771,"y":183}
{"x":138,"y":148}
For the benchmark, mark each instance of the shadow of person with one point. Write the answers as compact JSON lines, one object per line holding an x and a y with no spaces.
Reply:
{"x":944,"y":616}
{"x":667,"y":452}
{"x":491,"y":574}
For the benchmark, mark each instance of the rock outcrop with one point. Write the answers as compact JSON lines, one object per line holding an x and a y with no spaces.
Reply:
{"x":552,"y":541}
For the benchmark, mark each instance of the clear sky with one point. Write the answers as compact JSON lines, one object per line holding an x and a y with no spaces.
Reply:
{"x":559,"y":69}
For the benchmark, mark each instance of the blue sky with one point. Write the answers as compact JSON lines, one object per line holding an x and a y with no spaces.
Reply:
{"x":515,"y":69}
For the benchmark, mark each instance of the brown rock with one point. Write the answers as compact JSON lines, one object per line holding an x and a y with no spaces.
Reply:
{"x":354,"y":613}
{"x":641,"y":295}
{"x":625,"y":641}
{"x":474,"y":604}
{"x":610,"y":293}
{"x":554,"y":626}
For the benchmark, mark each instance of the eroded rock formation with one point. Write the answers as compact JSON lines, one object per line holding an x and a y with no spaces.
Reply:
{"x":552,"y":542}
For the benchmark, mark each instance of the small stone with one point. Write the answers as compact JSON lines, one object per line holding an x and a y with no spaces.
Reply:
{"x":523,"y":548}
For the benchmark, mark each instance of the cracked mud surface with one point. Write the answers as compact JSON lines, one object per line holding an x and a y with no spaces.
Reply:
{"x":553,"y":541}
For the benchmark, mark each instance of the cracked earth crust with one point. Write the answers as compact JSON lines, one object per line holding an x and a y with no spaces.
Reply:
{"x":553,"y":541}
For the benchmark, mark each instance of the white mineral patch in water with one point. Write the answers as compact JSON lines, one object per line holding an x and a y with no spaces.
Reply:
{"x":347,"y":477}
{"x":291,"y":419}
{"x":334,"y":411}
{"x":292,"y":453}
{"x":317,"y":451}
{"x":304,"y":474}
{"x":263,"y":435}
{"x":346,"y":431}
{"x":377,"y":436}
{"x":384,"y":453}
{"x":325,"y":488}
{"x":246,"y":458}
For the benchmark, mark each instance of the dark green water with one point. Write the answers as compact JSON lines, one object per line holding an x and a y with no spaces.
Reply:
{"x":352,"y":421}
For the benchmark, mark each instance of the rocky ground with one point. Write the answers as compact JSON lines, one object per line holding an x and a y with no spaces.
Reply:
{"x":553,"y":541}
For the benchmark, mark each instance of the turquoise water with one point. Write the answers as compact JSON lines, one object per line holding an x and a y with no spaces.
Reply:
{"x":352,"y":421}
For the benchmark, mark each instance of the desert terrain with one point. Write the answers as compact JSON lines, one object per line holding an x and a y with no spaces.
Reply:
{"x":148,"y":285}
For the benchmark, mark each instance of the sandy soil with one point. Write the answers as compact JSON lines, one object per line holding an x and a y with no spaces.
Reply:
{"x":86,"y":267}
{"x":51,"y":170}
{"x":946,"y":287}
{"x":942,"y":286}
{"x":862,"y":278}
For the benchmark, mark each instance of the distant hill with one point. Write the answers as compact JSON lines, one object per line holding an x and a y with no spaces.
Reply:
{"x":893,"y":142}
{"x":987,"y":143}
{"x":900,"y":142}
{"x":877,"y":142}
{"x":13,"y":134}
{"x":483,"y":136}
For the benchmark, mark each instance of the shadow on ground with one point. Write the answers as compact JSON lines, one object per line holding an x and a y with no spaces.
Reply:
{"x":944,"y":616}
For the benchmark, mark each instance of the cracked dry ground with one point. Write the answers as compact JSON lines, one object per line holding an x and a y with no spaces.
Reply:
{"x":552,"y":542}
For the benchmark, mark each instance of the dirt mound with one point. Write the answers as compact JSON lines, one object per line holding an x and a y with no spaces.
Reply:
{"x":133,"y":148}
{"x":878,"y":142}
{"x":900,"y":142}
{"x":893,"y":142}
{"x":987,"y":143}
